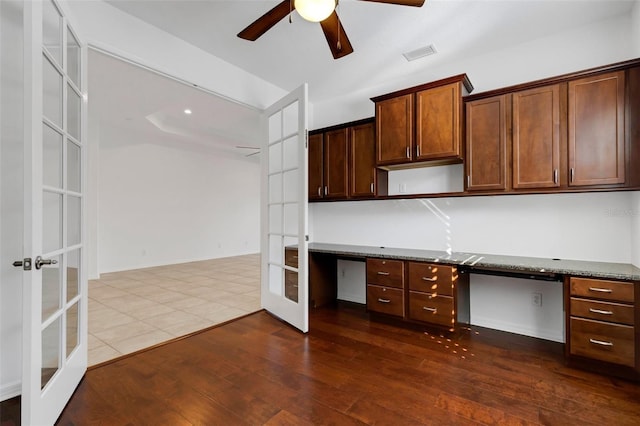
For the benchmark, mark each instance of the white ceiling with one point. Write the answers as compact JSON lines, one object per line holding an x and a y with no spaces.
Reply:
{"x":293,"y":53}
{"x":150,"y":108}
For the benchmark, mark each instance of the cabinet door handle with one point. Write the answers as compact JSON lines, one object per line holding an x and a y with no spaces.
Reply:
{"x":382,"y":273}
{"x":408,"y":152}
{"x":384,"y":300}
{"x":319,"y":191}
{"x":372,"y":188}
{"x":468,"y":181}
{"x":426,"y":308}
{"x":598,"y":311}
{"x":326,"y":190}
{"x":601,"y":290}
{"x":600,"y":342}
{"x":432,"y":279}
{"x":555,"y":176}
{"x":417,"y":150}
{"x":572,"y":173}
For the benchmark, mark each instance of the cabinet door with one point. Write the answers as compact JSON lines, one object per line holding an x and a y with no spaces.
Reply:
{"x":363,"y":161}
{"x":486,"y":156}
{"x":394,"y":130}
{"x":438,"y":113}
{"x":596,"y":130}
{"x":336,"y":154}
{"x":536,"y":137}
{"x":316,"y":167}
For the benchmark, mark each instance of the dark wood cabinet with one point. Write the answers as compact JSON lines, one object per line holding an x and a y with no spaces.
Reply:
{"x":422,"y":123}
{"x":394,"y":130}
{"x":596,"y":130}
{"x":536,"y":137}
{"x":438,"y":115}
{"x":362,"y":169}
{"x":316,"y":166}
{"x":342,"y":162}
{"x":601,"y":318}
{"x":336,"y":164}
{"x":488,"y":138}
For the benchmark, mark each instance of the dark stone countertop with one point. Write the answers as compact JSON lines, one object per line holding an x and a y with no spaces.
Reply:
{"x":489,"y":263}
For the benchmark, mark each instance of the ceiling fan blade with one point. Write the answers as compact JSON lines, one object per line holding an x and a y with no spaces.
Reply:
{"x":416,"y":3}
{"x":266,"y":21}
{"x":336,"y":37}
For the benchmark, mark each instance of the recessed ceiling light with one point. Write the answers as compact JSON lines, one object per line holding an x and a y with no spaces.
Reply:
{"x":187,"y":111}
{"x":420,"y":53}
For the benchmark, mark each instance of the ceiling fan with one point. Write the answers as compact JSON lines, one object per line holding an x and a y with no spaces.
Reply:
{"x":326,"y":14}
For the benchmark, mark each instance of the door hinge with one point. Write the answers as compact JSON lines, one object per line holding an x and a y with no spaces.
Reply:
{"x":306,"y":238}
{"x":25,"y":264}
{"x":306,"y":139}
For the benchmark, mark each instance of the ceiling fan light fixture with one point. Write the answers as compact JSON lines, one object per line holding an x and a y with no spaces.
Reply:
{"x":315,"y":10}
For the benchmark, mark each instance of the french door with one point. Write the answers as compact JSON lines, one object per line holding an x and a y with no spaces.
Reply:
{"x":54,"y":278}
{"x":284,"y":264}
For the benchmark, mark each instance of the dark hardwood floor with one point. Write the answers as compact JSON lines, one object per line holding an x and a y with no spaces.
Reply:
{"x":349,"y":370}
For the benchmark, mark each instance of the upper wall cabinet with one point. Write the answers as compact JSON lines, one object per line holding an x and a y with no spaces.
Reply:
{"x":487,"y":143}
{"x":536,"y":137}
{"x":422,"y":123}
{"x":596,"y":130}
{"x":342,"y":162}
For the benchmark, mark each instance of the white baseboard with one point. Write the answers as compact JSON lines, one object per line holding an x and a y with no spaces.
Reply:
{"x":355,"y":298}
{"x":10,"y":390}
{"x":540,"y":333}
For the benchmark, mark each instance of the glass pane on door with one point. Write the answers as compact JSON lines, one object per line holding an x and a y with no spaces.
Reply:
{"x":51,"y":289}
{"x":73,"y":220}
{"x":51,"y":221}
{"x":52,"y":30}
{"x":73,"y":267}
{"x":51,"y":92}
{"x":73,"y":58}
{"x":51,"y":157}
{"x":50,"y":351}
{"x":73,"y":167}
{"x":73,"y":318}
{"x":73,"y":113}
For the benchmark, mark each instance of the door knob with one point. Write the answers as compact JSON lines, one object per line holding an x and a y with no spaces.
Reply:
{"x":40,"y":261}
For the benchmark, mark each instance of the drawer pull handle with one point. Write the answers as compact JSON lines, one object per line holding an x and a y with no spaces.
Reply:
{"x":598,"y":311}
{"x":430,"y":279}
{"x":383,"y":273}
{"x":295,"y":286}
{"x":601,"y":290}
{"x":384,"y":300}
{"x":600,"y":342}
{"x":426,"y":308}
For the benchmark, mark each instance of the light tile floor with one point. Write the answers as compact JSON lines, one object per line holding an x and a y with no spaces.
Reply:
{"x":132,"y":310}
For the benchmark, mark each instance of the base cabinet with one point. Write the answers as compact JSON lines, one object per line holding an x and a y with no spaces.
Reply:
{"x":602,"y":318}
{"x":417,"y":292}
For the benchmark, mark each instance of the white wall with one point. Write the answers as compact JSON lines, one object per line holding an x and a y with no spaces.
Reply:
{"x":168,"y":201}
{"x":635,"y":228}
{"x":580,"y":48}
{"x":570,"y":226}
{"x":11,"y":201}
{"x":635,"y":24}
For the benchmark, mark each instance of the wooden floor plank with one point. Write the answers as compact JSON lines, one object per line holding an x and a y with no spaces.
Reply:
{"x":349,"y":369}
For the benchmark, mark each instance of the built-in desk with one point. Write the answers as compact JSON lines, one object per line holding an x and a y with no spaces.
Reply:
{"x":601,"y":299}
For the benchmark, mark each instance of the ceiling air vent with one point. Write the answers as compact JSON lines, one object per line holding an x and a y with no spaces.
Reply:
{"x":420,"y":53}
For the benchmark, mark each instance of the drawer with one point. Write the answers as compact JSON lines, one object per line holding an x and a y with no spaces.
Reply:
{"x":385,"y":272}
{"x":602,"y":289}
{"x":432,"y":309}
{"x":603,"y":311}
{"x":291,"y":285}
{"x":604,"y":341}
{"x":432,"y":278}
{"x":385,"y":300}
{"x":291,"y":257}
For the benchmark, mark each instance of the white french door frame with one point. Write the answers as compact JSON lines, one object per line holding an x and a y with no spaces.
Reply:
{"x":275,"y":235}
{"x":43,"y":405}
